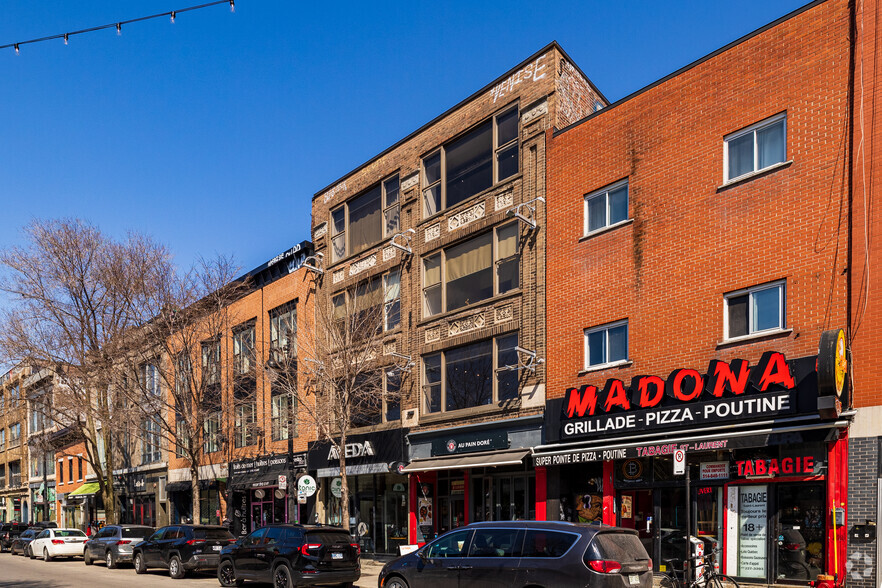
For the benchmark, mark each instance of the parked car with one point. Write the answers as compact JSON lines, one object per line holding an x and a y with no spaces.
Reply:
{"x":289,"y":555}
{"x":44,"y":525}
{"x":20,"y":544}
{"x":52,"y":543}
{"x":513,"y":554}
{"x":181,"y":548}
{"x":8,"y":532}
{"x":113,"y":544}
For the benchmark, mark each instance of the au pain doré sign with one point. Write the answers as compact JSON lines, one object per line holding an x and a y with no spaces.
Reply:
{"x":687,"y":398}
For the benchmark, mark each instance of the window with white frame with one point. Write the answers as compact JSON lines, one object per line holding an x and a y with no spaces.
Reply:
{"x":283,"y":330}
{"x":606,"y":207}
{"x":606,"y":344}
{"x":382,"y":406}
{"x":755,"y":148}
{"x":211,"y":433}
{"x":463,"y":274}
{"x":150,"y":446}
{"x":284,"y":417}
{"x":754,"y":310}
{"x":14,"y":435}
{"x":14,"y":396}
{"x":365,"y":301}
{"x":149,"y":375}
{"x":243,"y":348}
{"x":182,"y":439}
{"x":366,"y":219}
{"x":2,"y":401}
{"x":2,"y":439}
{"x":246,"y":422}
{"x":392,"y":299}
{"x":476,"y":374}
{"x":469,"y":164}
{"x":14,"y":473}
{"x":2,"y":475}
{"x":183,"y":370}
{"x":211,"y":354}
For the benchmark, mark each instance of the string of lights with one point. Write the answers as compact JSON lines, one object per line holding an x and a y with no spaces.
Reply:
{"x":172,"y":14}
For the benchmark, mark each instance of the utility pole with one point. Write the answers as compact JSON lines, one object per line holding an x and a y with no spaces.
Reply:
{"x":45,"y":484}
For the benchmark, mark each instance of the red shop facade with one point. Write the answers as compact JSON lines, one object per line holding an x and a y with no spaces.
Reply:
{"x":766,"y":450}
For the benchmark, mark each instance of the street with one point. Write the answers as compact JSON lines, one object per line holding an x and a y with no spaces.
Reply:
{"x":23,"y":572}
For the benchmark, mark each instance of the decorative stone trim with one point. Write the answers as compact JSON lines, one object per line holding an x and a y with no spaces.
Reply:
{"x":389,"y":348}
{"x":535,"y":112}
{"x":433,"y":334}
{"x":504,"y":313}
{"x":320,"y":231}
{"x":504,"y":200}
{"x":431,"y":233}
{"x":389,"y":253}
{"x":467,"y":216}
{"x":410,"y":181}
{"x":363,"y":264}
{"x":339,"y":276}
{"x":464,"y":325}
{"x":334,"y":191}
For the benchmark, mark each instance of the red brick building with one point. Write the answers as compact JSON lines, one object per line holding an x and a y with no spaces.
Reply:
{"x":697,"y":250}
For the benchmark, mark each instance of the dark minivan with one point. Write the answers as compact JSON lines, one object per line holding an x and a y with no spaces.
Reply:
{"x":525,"y":553}
{"x":292,"y":555}
{"x":181,"y":548}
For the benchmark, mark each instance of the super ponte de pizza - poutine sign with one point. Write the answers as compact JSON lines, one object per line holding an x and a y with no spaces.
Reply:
{"x":687,"y":398}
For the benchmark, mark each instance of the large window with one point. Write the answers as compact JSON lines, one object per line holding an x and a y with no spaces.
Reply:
{"x":469,"y":164}
{"x":606,"y":207}
{"x":14,"y":435}
{"x":607,"y":344}
{"x":374,"y":302}
{"x":182,"y":374}
{"x":211,"y":433}
{"x":365,"y":219}
{"x":283,"y":330}
{"x":211,"y":353}
{"x":150,"y":441}
{"x":2,"y":439}
{"x":14,"y":474}
{"x":2,"y":475}
{"x":477,"y":374}
{"x":463,"y":274}
{"x":149,"y":375}
{"x":243,"y":348}
{"x":182,"y":439}
{"x":755,"y":148}
{"x":392,"y":299}
{"x":246,"y":422}
{"x":754,"y":310}
{"x":385,"y":405}
{"x":282,"y":412}
{"x":14,"y":396}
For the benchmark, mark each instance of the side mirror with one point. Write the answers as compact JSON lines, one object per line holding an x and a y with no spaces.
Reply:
{"x":424,"y":554}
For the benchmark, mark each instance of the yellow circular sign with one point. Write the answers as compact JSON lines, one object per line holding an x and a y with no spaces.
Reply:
{"x":841,"y":368}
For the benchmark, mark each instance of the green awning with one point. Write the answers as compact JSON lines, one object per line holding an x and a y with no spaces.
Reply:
{"x":85,"y":489}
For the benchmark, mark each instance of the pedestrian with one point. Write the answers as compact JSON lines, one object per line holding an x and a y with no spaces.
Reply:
{"x":89,"y":530}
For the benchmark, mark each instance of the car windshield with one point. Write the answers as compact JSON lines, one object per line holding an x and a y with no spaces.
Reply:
{"x":69,"y":533}
{"x":216,"y":534}
{"x":135,"y":532}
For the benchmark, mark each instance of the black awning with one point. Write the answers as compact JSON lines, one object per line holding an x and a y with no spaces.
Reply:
{"x":253,"y":481}
{"x":179,"y":486}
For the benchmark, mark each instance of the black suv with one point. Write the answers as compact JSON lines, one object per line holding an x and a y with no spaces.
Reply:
{"x":289,"y":555}
{"x":181,"y":548}
{"x":514,"y":554}
{"x":8,"y":533}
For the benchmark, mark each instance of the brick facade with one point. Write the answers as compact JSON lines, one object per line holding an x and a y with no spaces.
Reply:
{"x":863,"y":489}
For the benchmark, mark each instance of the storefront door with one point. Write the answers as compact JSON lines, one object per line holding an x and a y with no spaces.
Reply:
{"x":268,"y":505}
{"x":505,"y":498}
{"x":636,"y":512}
{"x":799,"y":532}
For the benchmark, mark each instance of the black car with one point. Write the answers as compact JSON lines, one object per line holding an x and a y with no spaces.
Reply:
{"x":8,"y":533}
{"x":292,"y":555}
{"x":515,"y":554}
{"x":20,"y":543}
{"x":113,"y":544}
{"x":181,"y":548}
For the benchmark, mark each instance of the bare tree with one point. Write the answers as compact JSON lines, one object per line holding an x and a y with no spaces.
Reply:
{"x":74,"y":294}
{"x":335,"y":372}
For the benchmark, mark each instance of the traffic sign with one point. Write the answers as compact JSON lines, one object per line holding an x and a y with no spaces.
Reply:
{"x":679,"y":462}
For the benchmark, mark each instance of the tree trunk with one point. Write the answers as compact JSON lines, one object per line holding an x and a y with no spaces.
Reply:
{"x":344,"y":488}
{"x":194,"y":482}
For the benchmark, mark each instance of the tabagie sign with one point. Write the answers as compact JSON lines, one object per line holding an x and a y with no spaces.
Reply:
{"x":687,"y":398}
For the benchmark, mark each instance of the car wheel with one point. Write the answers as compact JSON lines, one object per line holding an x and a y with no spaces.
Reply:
{"x":46,"y":556}
{"x":31,"y":553}
{"x":226,"y":574}
{"x":175,"y":568}
{"x":396,"y":582}
{"x":87,"y":557}
{"x":110,"y":560}
{"x":282,"y":577}
{"x":138,"y":562}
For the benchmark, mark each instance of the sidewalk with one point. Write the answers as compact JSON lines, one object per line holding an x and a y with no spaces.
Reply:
{"x":370,"y":569}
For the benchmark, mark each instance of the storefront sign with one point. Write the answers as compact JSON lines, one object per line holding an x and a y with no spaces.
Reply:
{"x":833,"y":365}
{"x":470,"y":442}
{"x":337,"y":487}
{"x":372,"y":453}
{"x":752,"y":533}
{"x":772,"y":388}
{"x":306,"y":486}
{"x":264,"y":471}
{"x":713,"y":470}
{"x":457,"y":487}
{"x":283,"y":482}
{"x":787,"y":466}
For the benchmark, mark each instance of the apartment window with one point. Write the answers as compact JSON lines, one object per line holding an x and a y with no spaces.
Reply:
{"x":211,"y":430}
{"x":211,"y":353}
{"x":14,"y":435}
{"x":606,"y":344}
{"x":463,"y":274}
{"x":283,"y":329}
{"x":2,"y":475}
{"x":282,"y":410}
{"x":70,"y":472}
{"x":246,"y":421}
{"x":149,"y":375}
{"x":81,"y":469}
{"x":149,"y":441}
{"x":392,"y":397}
{"x":2,"y":439}
{"x":14,"y":396}
{"x":2,"y":402}
{"x":37,"y":468}
{"x":182,"y":439}
{"x":477,"y":374}
{"x":755,"y":148}
{"x":472,"y":163}
{"x":606,"y":207}
{"x":382,"y":406}
{"x":14,"y":474}
{"x":755,"y":310}
{"x":392,"y":299}
{"x":365,"y":219}
{"x":183,"y":370}
{"x":243,"y":348}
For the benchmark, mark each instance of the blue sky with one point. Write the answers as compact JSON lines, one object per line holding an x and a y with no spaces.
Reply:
{"x":213,"y":133}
